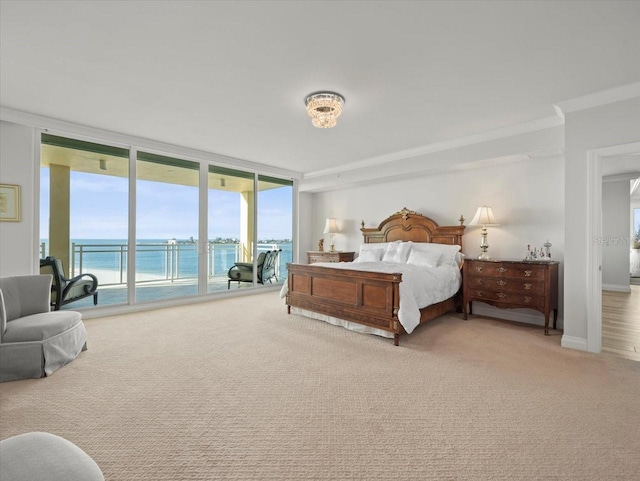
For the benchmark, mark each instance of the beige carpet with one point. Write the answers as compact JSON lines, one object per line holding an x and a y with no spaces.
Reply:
{"x":238,"y":390}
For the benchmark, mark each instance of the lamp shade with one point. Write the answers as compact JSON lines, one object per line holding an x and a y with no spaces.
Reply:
{"x":484,"y":216}
{"x":331,"y":227}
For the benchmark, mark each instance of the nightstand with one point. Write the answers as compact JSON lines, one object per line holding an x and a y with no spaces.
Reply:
{"x":509,"y":284}
{"x":336,"y":256}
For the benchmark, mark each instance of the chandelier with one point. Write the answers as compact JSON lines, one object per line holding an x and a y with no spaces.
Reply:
{"x":324,"y":108}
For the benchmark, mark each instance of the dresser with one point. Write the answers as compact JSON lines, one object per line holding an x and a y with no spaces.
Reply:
{"x":335,"y":256}
{"x":511,"y":284}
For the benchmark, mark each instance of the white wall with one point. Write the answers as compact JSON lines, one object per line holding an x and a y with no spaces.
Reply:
{"x":615,"y":228}
{"x":17,"y":167}
{"x":527,"y":198}
{"x":305,"y":230}
{"x":591,"y":128}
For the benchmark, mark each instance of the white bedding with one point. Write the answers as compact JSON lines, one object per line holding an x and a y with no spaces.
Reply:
{"x":420,"y":286}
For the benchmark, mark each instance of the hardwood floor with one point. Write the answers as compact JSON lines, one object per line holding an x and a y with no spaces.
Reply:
{"x":621,"y":323}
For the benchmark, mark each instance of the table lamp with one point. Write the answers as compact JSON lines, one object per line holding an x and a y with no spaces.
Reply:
{"x":331,"y":227}
{"x":484,"y":217}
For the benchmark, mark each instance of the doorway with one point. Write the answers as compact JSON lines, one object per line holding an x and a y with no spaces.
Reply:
{"x":619,"y":313}
{"x":595,"y":160}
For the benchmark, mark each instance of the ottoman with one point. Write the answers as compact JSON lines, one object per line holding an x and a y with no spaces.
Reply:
{"x":45,"y":457}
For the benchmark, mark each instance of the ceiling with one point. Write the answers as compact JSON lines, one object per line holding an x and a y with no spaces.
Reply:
{"x":230,"y":77}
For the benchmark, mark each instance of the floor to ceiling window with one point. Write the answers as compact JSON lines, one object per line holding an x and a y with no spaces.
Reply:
{"x":275,"y":221}
{"x":91,"y":196}
{"x":166,"y":227}
{"x":84,"y":212}
{"x":231,"y":223}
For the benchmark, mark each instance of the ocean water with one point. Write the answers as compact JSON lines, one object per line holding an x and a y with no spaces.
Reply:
{"x":156,"y":259}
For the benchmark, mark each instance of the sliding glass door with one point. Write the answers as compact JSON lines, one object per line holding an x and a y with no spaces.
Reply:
{"x":231,"y":223}
{"x":84,"y":194}
{"x":275,"y":223}
{"x":166,"y":227}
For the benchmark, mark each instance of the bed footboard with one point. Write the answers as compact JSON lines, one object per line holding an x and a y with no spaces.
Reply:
{"x":369,"y":298}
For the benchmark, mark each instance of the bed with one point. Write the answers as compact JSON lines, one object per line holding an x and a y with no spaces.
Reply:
{"x":366,"y":298}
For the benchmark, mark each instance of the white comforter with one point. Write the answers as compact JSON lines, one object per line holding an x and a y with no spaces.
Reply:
{"x":420,"y":286}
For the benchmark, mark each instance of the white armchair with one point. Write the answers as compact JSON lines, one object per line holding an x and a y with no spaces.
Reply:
{"x":35,"y":342}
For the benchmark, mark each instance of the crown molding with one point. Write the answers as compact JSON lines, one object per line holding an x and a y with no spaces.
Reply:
{"x":603,"y":97}
{"x":510,"y":131}
{"x":329,"y":184}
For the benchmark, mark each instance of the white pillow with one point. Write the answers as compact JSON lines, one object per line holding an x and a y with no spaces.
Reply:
{"x":397,"y":252}
{"x":459,"y":259}
{"x":447,"y":251}
{"x":426,"y":259}
{"x":370,"y":255}
{"x":371,"y":247}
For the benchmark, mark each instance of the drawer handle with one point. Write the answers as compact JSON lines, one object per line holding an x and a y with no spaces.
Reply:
{"x":502,"y":283}
{"x":527,"y":299}
{"x":527,"y":286}
{"x":479,"y":268}
{"x":478,"y":293}
{"x":501,"y":295}
{"x":479,"y":281}
{"x":501,"y":269}
{"x":527,"y":273}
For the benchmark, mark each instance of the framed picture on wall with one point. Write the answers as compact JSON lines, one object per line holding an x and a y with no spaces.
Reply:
{"x":9,"y":203}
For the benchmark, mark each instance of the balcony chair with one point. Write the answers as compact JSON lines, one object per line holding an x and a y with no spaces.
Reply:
{"x":267,"y":269}
{"x":65,"y":291}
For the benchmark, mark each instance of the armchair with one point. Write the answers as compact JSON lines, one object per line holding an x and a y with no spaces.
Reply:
{"x":266,"y":265}
{"x":34,"y":341}
{"x":64,"y":290}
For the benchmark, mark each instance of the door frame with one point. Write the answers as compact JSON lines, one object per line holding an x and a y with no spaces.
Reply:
{"x":595,"y":157}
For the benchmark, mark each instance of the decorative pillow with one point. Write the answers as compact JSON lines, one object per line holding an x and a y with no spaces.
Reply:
{"x":397,"y":252}
{"x":447,"y":251}
{"x":373,"y":246}
{"x":426,"y":259}
{"x":370,"y":255}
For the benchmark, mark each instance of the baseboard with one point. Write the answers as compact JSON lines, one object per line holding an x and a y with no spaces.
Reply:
{"x":616,"y":288}
{"x":571,"y":342}
{"x":512,"y":315}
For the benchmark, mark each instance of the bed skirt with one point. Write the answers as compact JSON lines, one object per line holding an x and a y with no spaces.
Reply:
{"x":352,"y":326}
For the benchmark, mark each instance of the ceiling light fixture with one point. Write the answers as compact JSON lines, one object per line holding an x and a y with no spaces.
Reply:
{"x":324,"y":108}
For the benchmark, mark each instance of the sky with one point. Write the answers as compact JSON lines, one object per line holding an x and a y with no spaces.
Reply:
{"x":99,"y":210}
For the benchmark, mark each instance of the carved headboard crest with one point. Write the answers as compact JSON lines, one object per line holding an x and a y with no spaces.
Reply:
{"x":408,"y":225}
{"x":405,"y":213}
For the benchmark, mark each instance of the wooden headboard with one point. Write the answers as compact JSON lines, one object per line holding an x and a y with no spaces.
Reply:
{"x":407,"y":225}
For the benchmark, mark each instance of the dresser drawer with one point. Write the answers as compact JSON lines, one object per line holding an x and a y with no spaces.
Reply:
{"x":521,"y":299}
{"x":528,"y":287}
{"x":496,"y":269}
{"x":317,"y":258}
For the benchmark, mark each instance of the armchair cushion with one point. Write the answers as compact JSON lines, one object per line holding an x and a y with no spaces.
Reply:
{"x":39,"y":327}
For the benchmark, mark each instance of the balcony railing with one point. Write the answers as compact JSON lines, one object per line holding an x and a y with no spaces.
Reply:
{"x":166,"y":261}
